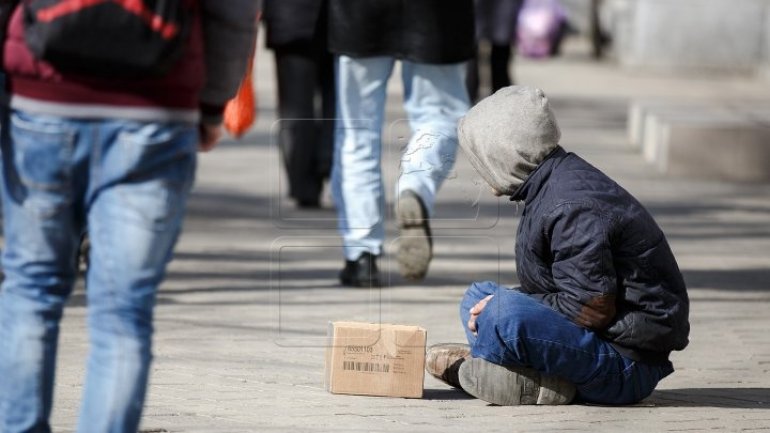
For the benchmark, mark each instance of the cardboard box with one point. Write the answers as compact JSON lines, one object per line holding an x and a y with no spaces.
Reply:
{"x":375,"y":359}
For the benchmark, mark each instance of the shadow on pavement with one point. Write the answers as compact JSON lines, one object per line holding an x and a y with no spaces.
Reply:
{"x":445,"y":394}
{"x":223,"y":205}
{"x":748,"y":398}
{"x":754,"y":279}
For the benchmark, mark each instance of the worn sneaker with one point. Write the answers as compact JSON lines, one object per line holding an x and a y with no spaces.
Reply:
{"x":511,"y":386}
{"x":361,"y":272}
{"x":443,"y":361}
{"x":415,"y":246}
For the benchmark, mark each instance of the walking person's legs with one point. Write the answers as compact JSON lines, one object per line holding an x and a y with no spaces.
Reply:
{"x":326,"y":112}
{"x":41,"y":228}
{"x":141,"y":175}
{"x":326,"y":98}
{"x":499,"y":63}
{"x":298,"y":139}
{"x":356,"y":174}
{"x":435,"y":97}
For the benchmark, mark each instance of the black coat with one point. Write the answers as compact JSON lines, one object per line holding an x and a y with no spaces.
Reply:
{"x":293,"y":21}
{"x":591,"y":251}
{"x":423,"y":31}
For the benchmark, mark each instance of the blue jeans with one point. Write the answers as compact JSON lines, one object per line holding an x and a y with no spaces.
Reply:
{"x":128,"y":183}
{"x":516,"y":329}
{"x":435,"y":98}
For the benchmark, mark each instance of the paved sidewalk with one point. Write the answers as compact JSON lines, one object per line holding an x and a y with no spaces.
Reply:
{"x":242,"y":317}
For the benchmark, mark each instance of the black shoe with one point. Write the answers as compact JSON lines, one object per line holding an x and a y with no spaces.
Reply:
{"x":309,"y":204}
{"x":361,"y":272}
{"x":415,"y":245}
{"x":512,"y":386}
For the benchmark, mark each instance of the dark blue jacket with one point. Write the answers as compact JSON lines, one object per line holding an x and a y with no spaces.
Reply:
{"x":590,"y":250}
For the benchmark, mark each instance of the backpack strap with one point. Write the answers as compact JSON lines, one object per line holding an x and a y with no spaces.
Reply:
{"x":167,"y":30}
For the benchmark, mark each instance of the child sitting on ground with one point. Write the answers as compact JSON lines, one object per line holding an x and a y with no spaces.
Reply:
{"x":601,"y":302}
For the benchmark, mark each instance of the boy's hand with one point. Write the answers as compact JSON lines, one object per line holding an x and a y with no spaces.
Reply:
{"x":475,"y":311}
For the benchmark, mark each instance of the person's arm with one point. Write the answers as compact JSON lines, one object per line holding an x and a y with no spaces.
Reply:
{"x":229,"y":32}
{"x":582,"y":268}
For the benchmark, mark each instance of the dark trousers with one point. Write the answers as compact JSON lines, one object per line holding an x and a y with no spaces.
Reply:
{"x":499,"y":58}
{"x":306,"y":117}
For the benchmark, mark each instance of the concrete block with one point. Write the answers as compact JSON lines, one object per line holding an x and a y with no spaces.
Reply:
{"x":728,"y":140}
{"x":656,"y":121}
{"x":639,"y":110}
{"x":730,"y":151}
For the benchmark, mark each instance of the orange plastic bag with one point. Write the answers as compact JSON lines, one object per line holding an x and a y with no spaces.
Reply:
{"x":240,"y":112}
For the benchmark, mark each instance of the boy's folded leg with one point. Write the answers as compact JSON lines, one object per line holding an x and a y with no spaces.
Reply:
{"x":512,"y":386}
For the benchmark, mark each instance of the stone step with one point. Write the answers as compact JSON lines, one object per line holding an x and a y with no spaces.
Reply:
{"x":657,"y":124}
{"x":639,"y":110}
{"x":717,"y":141}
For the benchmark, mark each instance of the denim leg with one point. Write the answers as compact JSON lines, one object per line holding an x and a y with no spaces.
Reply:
{"x":41,"y":233}
{"x":435,"y":98}
{"x":356,"y":174}
{"x":141,"y":177}
{"x":475,"y":293}
{"x":516,"y":329}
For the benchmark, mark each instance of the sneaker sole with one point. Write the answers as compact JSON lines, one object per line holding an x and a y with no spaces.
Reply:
{"x":414,"y":246}
{"x":512,"y":386}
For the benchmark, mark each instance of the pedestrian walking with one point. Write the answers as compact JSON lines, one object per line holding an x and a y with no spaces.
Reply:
{"x":433,"y":40}
{"x":296,"y":32}
{"x":496,"y":26}
{"x":602,"y":302}
{"x":102,"y":129}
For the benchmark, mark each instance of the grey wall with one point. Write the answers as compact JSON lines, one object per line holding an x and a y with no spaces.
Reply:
{"x":715,"y":36}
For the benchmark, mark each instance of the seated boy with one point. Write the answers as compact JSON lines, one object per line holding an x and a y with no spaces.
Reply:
{"x":602,"y":302}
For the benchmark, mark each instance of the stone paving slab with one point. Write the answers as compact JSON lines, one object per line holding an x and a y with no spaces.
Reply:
{"x":242,"y":317}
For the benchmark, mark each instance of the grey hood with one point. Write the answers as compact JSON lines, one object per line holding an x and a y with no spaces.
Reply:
{"x":507,"y":135}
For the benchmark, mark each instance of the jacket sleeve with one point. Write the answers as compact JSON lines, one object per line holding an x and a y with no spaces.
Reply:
{"x":582,"y":268}
{"x":229,"y":32}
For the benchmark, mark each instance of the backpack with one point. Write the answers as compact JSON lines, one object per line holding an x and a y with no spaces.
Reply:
{"x":540,"y":28}
{"x":122,"y":38}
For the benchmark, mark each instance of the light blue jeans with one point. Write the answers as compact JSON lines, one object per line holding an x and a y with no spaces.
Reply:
{"x":516,"y":329}
{"x":435,"y":97}
{"x":128,"y":183}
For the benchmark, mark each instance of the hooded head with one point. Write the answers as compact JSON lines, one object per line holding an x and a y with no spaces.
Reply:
{"x":508,"y":134}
